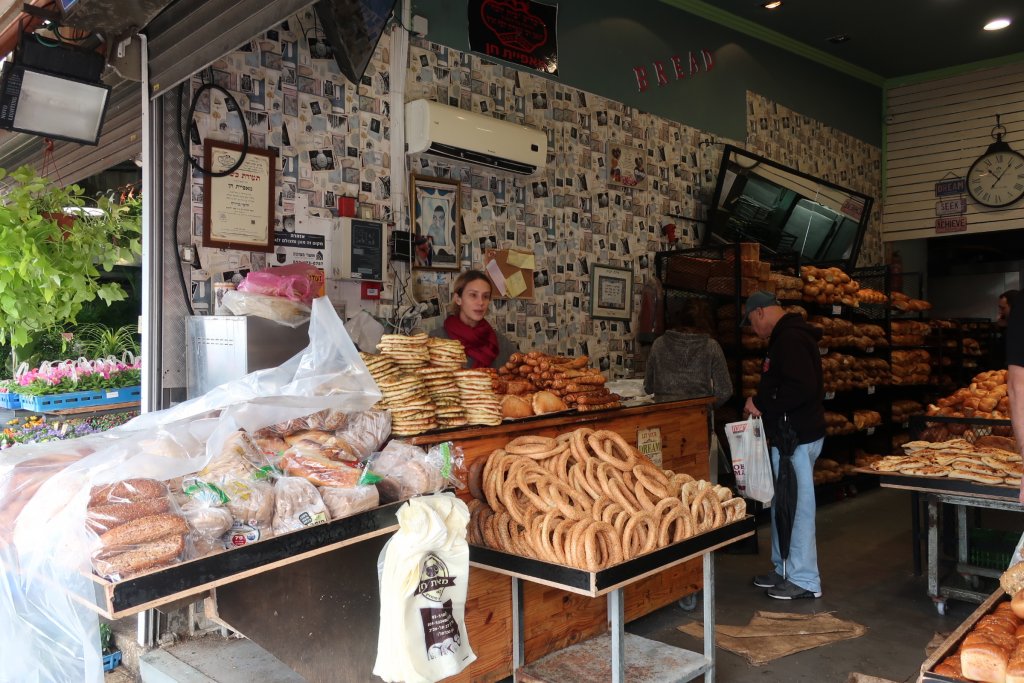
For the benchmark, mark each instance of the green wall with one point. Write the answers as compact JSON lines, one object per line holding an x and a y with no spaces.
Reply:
{"x":599,"y":43}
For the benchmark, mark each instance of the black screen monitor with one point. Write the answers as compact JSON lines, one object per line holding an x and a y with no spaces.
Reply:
{"x":786,"y":210}
{"x":353,"y":29}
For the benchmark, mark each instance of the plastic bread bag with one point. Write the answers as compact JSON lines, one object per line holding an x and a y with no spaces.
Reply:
{"x":295,"y":281}
{"x":366,"y":431}
{"x":424,"y":573}
{"x":279,"y":309}
{"x":404,"y":471}
{"x":307,"y":460}
{"x":297,"y":505}
{"x":250,"y":500}
{"x":448,"y":459}
{"x":207,"y":515}
{"x":347,"y":502}
{"x":139,"y":528}
{"x":233,"y":455}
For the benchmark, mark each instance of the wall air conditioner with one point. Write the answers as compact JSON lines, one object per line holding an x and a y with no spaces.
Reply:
{"x":473,"y":138}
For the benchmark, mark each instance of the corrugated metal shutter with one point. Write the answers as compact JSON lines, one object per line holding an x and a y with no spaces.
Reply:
{"x":191,"y":34}
{"x":120,"y":139}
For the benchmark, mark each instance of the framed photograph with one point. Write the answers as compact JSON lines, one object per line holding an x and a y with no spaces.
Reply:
{"x":611,"y":293}
{"x":627,"y":166}
{"x":434,"y":204}
{"x":238,"y":208}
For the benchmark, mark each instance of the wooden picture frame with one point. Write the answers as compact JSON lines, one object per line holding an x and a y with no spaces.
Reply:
{"x":627,"y":166}
{"x":611,"y":293}
{"x":436,"y":219}
{"x":238,"y":209}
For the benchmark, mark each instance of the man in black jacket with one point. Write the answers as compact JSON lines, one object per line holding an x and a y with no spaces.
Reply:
{"x":791,"y":386}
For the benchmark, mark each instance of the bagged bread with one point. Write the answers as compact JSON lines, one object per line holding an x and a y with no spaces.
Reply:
{"x":297,"y":504}
{"x":424,"y":572}
{"x":366,"y":431}
{"x":347,"y":502}
{"x":404,"y":471}
{"x":206,"y":515}
{"x":238,"y":458}
{"x":251,"y":504}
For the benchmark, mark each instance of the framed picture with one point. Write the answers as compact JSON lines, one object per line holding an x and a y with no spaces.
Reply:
{"x":238,"y":209}
{"x":627,"y":166}
{"x":611,"y":293}
{"x":434,"y":204}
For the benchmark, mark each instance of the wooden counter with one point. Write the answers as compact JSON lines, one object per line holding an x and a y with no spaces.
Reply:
{"x":320,"y":616}
{"x":555,"y":619}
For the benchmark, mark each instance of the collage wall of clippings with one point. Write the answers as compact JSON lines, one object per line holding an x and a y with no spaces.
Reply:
{"x":615,"y":176}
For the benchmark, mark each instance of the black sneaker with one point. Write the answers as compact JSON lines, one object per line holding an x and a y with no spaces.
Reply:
{"x":769,"y":580}
{"x":787,"y":590}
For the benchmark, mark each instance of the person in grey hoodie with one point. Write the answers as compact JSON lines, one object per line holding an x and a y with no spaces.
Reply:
{"x":686,"y":362}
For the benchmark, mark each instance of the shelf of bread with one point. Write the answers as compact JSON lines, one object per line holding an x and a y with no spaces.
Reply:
{"x":987,"y":647}
{"x":536,"y":383}
{"x":586,"y":512}
{"x":990,"y":465}
{"x":986,"y":397}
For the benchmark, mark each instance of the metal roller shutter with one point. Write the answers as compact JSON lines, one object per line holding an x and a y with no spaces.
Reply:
{"x":121,"y":139}
{"x":191,"y":34}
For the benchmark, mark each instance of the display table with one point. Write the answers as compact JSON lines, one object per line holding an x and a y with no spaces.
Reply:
{"x":962,"y":495}
{"x":659,"y":662}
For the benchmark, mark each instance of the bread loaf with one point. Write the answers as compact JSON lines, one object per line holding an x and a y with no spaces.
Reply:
{"x":514,"y":407}
{"x":127,"y":491}
{"x":546,"y":402}
{"x":347,"y":502}
{"x":144,"y":530}
{"x":1017,"y":604}
{"x":158,"y":553}
{"x":103,"y":518}
{"x":318,"y":469}
{"x":984,"y":661}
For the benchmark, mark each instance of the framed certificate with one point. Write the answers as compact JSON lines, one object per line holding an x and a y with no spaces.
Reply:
{"x":611,"y":293}
{"x":238,"y":211}
{"x":435,"y":207}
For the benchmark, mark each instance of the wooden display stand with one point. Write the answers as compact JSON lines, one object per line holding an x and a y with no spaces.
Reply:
{"x":311,"y":597}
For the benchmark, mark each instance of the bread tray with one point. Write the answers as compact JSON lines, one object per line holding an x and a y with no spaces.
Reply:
{"x":115,"y":600}
{"x":949,"y":645}
{"x":594,"y":584}
{"x":942,"y":485}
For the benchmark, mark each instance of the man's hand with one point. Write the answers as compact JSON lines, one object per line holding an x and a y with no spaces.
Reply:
{"x":750,"y":409}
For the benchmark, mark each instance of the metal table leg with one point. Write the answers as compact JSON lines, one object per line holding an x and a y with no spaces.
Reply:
{"x":518,"y":636}
{"x":709,"y":616}
{"x":617,"y":619}
{"x":933,"y":547}
{"x":915,"y":526}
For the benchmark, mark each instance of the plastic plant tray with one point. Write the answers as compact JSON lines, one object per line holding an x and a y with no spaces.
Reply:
{"x":80,"y":399}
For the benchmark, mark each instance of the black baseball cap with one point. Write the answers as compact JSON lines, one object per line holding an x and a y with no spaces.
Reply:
{"x":759,"y":299}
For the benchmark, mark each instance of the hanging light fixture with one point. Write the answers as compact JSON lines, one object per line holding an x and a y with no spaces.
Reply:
{"x":53,"y":90}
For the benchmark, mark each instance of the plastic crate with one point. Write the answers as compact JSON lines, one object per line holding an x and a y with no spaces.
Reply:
{"x":991,"y":548}
{"x":10,"y":401}
{"x":111,"y":661}
{"x":81,"y":399}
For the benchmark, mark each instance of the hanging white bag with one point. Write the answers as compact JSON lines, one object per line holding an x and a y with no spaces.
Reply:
{"x":424,"y":574}
{"x":758,"y":463}
{"x":734,"y":434}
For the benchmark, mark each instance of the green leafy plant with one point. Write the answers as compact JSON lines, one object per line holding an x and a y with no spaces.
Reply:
{"x":50,"y":266}
{"x":106,"y":638}
{"x":93,"y":340}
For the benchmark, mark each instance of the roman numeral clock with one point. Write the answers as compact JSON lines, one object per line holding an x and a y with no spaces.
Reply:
{"x":996,"y":178}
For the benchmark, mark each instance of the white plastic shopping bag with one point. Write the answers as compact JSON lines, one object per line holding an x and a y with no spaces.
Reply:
{"x":750,"y":460}
{"x":424,"y":573}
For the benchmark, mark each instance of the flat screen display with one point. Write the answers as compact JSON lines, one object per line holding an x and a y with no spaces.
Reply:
{"x":353,"y":29}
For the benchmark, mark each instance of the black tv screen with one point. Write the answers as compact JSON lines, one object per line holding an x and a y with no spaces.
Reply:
{"x":353,"y":29}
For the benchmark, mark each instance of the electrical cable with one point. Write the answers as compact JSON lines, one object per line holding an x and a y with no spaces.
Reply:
{"x":177,"y":205}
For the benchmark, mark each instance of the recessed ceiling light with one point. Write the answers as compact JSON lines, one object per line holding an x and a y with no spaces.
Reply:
{"x":775,"y":4}
{"x":838,"y":38}
{"x":997,"y":24}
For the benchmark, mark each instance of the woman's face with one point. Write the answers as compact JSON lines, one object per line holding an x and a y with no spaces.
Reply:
{"x":474,"y":301}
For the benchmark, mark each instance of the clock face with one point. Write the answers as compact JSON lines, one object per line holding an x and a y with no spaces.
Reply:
{"x":997,"y":179}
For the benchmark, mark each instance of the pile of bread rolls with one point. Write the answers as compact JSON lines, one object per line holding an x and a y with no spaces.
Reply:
{"x":588,"y":499}
{"x":787,"y":287}
{"x":866,"y":295}
{"x":751,"y":376}
{"x":837,"y":424}
{"x":911,"y":367}
{"x":910,"y":332}
{"x":985,"y":397}
{"x":823,"y":286}
{"x":840,"y":333}
{"x":565,"y":383}
{"x":993,"y":650}
{"x":828,"y":471}
{"x":902,"y":302}
{"x":843,"y":372}
{"x":971,"y":346}
{"x":866,"y":419}
{"x":904,"y":409}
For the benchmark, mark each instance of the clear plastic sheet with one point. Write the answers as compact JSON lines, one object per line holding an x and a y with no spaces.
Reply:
{"x":279,"y":309}
{"x":45,"y":544}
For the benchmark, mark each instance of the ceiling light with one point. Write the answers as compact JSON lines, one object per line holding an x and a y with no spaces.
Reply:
{"x":838,"y":38}
{"x":775,"y":4}
{"x":997,"y":24}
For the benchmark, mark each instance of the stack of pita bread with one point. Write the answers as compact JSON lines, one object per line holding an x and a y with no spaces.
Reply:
{"x":446,"y":353}
{"x":476,"y":394}
{"x":410,"y":353}
{"x":956,"y":459}
{"x":444,"y":393}
{"x":380,"y":367}
{"x":412,"y":411}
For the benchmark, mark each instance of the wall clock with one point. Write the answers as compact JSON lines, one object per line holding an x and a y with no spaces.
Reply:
{"x":996,"y":178}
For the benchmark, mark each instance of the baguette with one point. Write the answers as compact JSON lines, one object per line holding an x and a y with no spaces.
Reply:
{"x":160,"y":552}
{"x":127,"y":491}
{"x":103,"y":518}
{"x":144,"y":530}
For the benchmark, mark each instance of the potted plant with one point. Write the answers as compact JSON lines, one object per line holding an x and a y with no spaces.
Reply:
{"x":111,"y":656}
{"x":49,"y":270}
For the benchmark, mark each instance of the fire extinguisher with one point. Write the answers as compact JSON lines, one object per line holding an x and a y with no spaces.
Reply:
{"x":896,"y":272}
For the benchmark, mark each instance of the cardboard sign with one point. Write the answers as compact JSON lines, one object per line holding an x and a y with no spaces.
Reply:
{"x":648,"y":442}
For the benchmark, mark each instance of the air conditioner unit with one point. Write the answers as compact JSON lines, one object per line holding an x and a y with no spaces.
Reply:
{"x":474,"y":138}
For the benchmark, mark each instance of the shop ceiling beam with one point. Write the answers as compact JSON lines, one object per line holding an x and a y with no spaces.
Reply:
{"x":719,"y":16}
{"x":15,"y":21}
{"x":192,"y":34}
